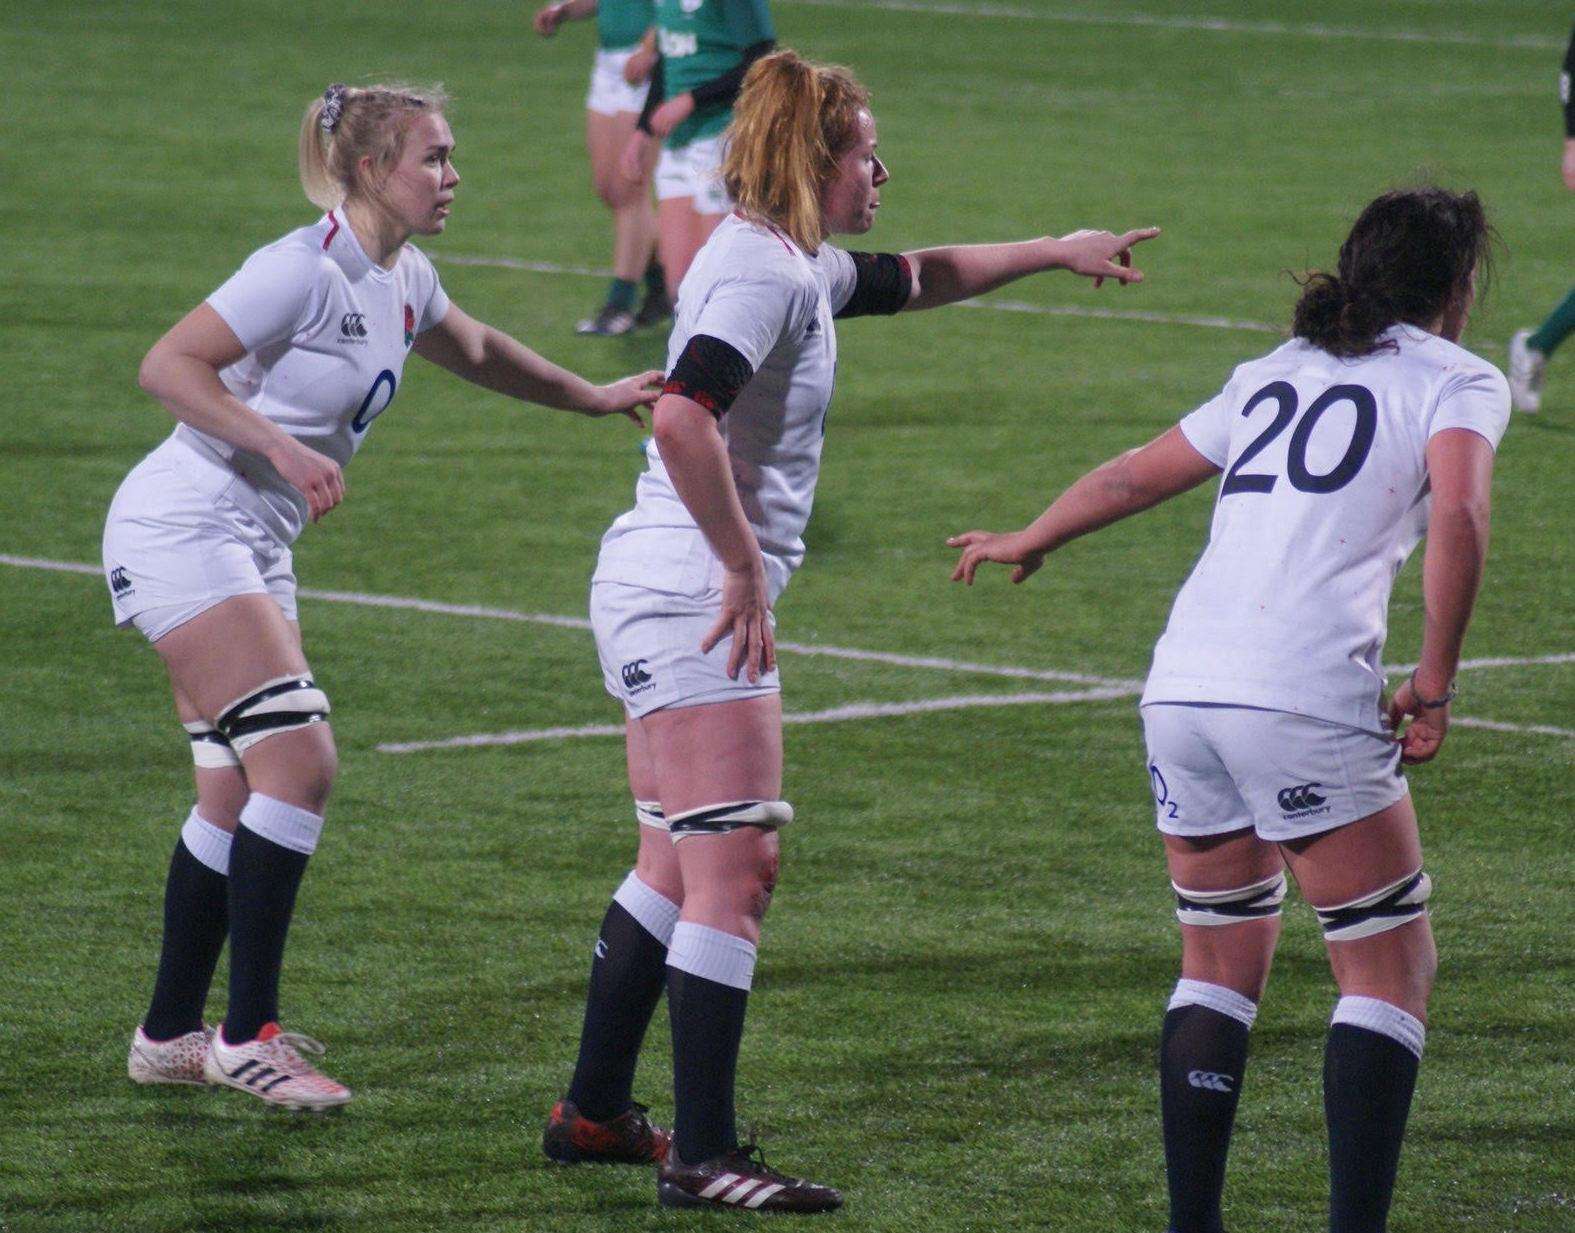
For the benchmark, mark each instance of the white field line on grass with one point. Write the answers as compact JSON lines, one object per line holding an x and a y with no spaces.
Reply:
{"x":1004,"y":306}
{"x":1102,"y":688}
{"x":852,"y":710}
{"x":1213,"y":25}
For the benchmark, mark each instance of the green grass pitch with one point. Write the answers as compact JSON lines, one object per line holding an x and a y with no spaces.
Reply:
{"x":960,"y":990}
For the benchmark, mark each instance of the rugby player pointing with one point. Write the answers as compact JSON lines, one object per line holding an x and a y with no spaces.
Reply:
{"x":681,"y":607}
{"x":275,"y":380}
{"x":1269,"y":743}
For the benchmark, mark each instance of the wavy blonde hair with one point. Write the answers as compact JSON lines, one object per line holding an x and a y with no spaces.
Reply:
{"x":793,"y":120}
{"x":372,"y":120}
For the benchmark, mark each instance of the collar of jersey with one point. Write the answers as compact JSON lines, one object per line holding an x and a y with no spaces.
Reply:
{"x":346,"y":236}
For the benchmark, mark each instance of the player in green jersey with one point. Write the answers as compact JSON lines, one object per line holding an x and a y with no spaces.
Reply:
{"x":1529,"y":349}
{"x":706,"y":47}
{"x":624,"y":58}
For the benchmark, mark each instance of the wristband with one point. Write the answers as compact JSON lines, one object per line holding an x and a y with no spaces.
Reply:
{"x":1432,"y":704}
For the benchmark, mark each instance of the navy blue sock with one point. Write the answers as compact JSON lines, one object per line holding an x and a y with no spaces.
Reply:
{"x":196,"y":919}
{"x":264,"y":877}
{"x":1202,"y":1058}
{"x":1368,"y":1079}
{"x":708,"y":1026}
{"x":655,"y":278}
{"x":627,"y":974}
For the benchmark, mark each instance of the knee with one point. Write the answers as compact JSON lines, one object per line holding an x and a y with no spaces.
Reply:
{"x":610,"y":189}
{"x":764,"y":880}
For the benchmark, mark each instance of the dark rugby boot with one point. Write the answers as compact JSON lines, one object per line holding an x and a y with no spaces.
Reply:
{"x":740,"y":1179}
{"x":629,"y":1138}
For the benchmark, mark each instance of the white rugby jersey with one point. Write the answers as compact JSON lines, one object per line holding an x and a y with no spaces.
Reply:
{"x":326,"y":331}
{"x":1325,"y":494}
{"x":753,"y":288}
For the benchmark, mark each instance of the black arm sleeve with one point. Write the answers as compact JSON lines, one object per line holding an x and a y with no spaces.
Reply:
{"x":724,"y":88}
{"x":653,"y":97}
{"x":1564,"y":89}
{"x":709,"y":372}
{"x":884,"y":286}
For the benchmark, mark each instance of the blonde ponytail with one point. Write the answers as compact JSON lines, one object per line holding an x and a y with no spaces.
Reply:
{"x":793,"y":120}
{"x":348,"y":123}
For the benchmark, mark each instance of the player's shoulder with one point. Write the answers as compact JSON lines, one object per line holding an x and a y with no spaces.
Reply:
{"x":1444,"y":357}
{"x":758,"y":253}
{"x":302,"y":252}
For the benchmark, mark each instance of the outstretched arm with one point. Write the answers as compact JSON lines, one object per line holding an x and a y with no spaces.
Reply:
{"x":1128,"y":483}
{"x":961,"y":271}
{"x":488,"y":357}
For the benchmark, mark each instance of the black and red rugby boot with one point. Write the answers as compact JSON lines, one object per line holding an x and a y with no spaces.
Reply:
{"x":629,"y":1138}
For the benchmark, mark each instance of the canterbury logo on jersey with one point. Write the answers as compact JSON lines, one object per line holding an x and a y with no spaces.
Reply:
{"x":1299,"y":797}
{"x":352,"y":327}
{"x":1209,"y":1081}
{"x":118,"y":582}
{"x":635,"y":677}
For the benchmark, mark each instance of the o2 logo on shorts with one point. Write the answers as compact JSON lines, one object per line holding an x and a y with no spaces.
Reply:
{"x":370,"y":408}
{"x":1161,"y":790}
{"x":636,"y":680}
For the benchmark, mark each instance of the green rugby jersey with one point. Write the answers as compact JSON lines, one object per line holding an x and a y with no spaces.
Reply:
{"x":700,"y":40}
{"x":620,"y":24}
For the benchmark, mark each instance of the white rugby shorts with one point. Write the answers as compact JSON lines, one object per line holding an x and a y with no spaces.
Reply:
{"x":1215,"y":769}
{"x":609,"y":93}
{"x":649,"y":646}
{"x":694,"y":170}
{"x":171,"y":553}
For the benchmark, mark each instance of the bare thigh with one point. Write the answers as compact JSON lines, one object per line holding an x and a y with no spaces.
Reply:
{"x":1236,"y":956}
{"x":656,"y":864}
{"x":1349,"y":862}
{"x":680,"y":233}
{"x":605,"y":139}
{"x":226,"y":653}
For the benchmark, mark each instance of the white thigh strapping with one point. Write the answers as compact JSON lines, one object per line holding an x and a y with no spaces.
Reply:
{"x":649,"y":646}
{"x":1223,"y":768}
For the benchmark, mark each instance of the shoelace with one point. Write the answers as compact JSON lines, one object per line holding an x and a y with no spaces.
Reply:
{"x":299,"y":1043}
{"x":752,"y":1153}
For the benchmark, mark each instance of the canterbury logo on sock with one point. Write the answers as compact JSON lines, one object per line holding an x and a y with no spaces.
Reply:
{"x":1209,"y":1080}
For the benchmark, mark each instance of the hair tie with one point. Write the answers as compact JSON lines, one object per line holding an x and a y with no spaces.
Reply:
{"x":333,"y":107}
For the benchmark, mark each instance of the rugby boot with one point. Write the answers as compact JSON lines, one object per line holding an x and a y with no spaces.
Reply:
{"x":740,"y":1180}
{"x":655,"y":309}
{"x":273,"y":1069}
{"x":1527,"y":367}
{"x":178,"y":1060}
{"x":629,"y":1138}
{"x":610,"y":322}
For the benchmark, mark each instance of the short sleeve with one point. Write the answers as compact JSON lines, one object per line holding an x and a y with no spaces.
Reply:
{"x":1207,"y":429}
{"x":751,"y":313}
{"x":1476,"y":398}
{"x":427,"y":291}
{"x":269,"y":298}
{"x":842,"y":275}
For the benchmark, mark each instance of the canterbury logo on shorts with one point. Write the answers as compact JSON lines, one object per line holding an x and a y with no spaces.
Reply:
{"x":1300,"y":797}
{"x":635,"y":677}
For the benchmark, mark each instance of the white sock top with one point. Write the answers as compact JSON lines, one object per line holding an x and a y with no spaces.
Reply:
{"x":284,"y":824}
{"x":656,"y":913}
{"x":1382,"y":1017}
{"x":1216,"y":997}
{"x":711,"y":954}
{"x":206,"y":842}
